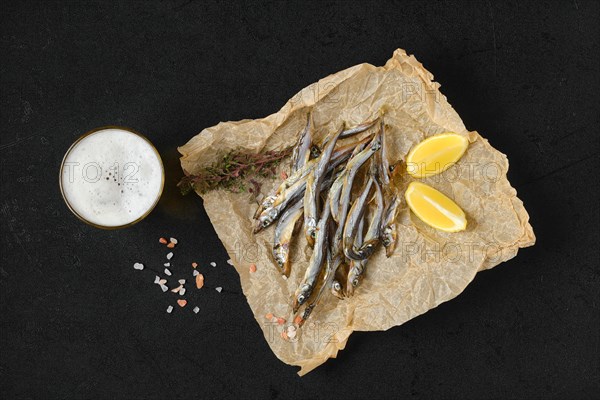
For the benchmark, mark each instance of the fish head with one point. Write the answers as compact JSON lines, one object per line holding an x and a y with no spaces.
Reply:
{"x":389,"y":241}
{"x":376,"y":143}
{"x":311,"y":231}
{"x":315,"y":151}
{"x":265,"y":204}
{"x":353,"y":282}
{"x":387,"y":236}
{"x":354,"y":277}
{"x":280,"y":255}
{"x":337,"y":290}
{"x":368,"y":247}
{"x":301,"y":296}
{"x":265,"y":219}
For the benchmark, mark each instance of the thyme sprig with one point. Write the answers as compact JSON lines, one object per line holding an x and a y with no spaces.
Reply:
{"x":235,"y":172}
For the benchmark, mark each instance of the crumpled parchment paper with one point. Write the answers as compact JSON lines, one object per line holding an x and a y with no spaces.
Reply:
{"x":428,"y":267}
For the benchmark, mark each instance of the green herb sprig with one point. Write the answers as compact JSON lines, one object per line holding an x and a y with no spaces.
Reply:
{"x":234,"y":172}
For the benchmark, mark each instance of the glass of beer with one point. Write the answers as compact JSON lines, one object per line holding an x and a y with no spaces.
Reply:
{"x":111,"y":177}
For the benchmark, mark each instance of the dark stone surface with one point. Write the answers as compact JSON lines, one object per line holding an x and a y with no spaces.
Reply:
{"x":79,"y":322}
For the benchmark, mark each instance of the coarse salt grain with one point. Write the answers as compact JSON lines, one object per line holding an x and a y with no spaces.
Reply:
{"x":182,"y":302}
{"x":252,"y":268}
{"x":298,"y":320}
{"x":182,"y":291}
{"x":169,"y":309}
{"x":199,"y":281}
{"x":162,"y":240}
{"x":167,"y":264}
{"x":170,"y":255}
{"x":195,"y":273}
{"x":157,"y":279}
{"x":177,"y":289}
{"x":291,"y":334}
{"x":164,"y":288}
{"x":269,"y":316}
{"x":194,"y":265}
{"x":230,"y":262}
{"x":182,"y":281}
{"x":218,"y":289}
{"x":138,"y":266}
{"x":162,"y":281}
{"x":171,"y":245}
{"x":167,"y":272}
{"x":196,"y":310}
{"x":213,"y":264}
{"x":173,"y":240}
{"x":280,"y":321}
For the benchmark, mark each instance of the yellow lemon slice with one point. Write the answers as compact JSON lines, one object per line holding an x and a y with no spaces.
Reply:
{"x":435,"y":154}
{"x":434,"y":208}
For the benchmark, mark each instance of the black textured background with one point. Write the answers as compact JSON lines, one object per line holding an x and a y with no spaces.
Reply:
{"x":78,"y":322}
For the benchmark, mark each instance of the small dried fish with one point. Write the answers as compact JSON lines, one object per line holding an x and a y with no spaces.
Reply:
{"x":316,"y":260}
{"x":359,"y":128}
{"x":313,"y":188}
{"x":301,"y":152}
{"x":355,"y":274}
{"x":333,"y":262}
{"x":373,"y":235}
{"x":383,"y":164}
{"x":268,"y":216}
{"x":336,"y":188}
{"x":388,"y":224}
{"x":339,"y":285}
{"x":353,"y":221}
{"x":310,"y":210}
{"x":334,"y":195}
{"x":283,"y":235}
{"x":355,"y":267}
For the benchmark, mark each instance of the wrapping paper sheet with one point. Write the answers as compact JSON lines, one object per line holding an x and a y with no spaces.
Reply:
{"x":428,"y":267}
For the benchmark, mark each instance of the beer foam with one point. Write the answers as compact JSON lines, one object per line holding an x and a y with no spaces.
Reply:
{"x":112,"y":177}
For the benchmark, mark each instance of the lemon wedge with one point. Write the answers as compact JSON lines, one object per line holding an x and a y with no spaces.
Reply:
{"x":434,"y":208}
{"x":435,"y":154}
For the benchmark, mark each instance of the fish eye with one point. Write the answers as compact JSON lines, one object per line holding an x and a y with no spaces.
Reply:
{"x":355,"y":282}
{"x":265,"y":223}
{"x":301,"y":299}
{"x":337,"y":286}
{"x":313,"y":234}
